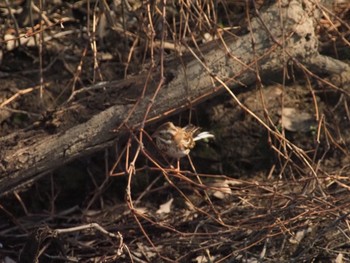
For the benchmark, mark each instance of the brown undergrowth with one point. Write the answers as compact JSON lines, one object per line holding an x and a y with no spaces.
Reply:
{"x":273,"y":186}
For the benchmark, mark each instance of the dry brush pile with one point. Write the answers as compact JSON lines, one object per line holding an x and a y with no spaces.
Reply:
{"x":84,"y":85}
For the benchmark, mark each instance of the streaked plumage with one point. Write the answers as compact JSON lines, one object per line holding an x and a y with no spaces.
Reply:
{"x":177,"y":142}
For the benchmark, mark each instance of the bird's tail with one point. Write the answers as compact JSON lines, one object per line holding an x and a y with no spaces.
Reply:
{"x":203,"y":135}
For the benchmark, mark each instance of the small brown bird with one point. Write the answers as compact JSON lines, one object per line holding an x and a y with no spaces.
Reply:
{"x":177,"y":142}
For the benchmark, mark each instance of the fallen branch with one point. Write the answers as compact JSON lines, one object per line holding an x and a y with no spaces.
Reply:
{"x":270,"y":45}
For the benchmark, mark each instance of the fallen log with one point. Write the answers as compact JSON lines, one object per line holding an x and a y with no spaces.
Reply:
{"x":280,"y":35}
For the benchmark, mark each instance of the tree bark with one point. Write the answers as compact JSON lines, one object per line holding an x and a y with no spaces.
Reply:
{"x":281,"y":34}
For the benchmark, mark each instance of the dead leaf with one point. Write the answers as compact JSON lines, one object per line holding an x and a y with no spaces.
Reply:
{"x":222,"y":188}
{"x":299,"y":236}
{"x":165,"y":208}
{"x":297,"y":121}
